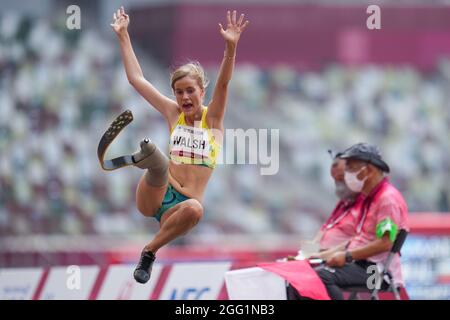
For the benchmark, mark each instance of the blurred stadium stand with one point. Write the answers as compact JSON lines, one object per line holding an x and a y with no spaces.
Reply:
{"x":59,"y":90}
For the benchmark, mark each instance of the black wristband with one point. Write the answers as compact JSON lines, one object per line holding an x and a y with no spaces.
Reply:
{"x":348,"y":257}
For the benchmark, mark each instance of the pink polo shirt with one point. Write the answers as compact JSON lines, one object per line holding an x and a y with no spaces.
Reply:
{"x":341,"y":225}
{"x":385,"y":201}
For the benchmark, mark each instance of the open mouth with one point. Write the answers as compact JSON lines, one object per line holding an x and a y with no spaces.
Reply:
{"x":187,"y":106}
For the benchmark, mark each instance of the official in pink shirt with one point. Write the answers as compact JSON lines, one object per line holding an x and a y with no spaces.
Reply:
{"x":383,"y":213}
{"x":340,"y":226}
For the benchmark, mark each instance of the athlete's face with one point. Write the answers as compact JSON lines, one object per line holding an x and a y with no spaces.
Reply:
{"x":189,"y":95}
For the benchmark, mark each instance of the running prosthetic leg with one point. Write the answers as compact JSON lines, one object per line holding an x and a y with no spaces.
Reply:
{"x":108,"y":137}
{"x":144,"y":267}
{"x":148,"y":157}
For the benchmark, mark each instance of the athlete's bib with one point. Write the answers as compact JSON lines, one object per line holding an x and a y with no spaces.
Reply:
{"x":192,"y":145}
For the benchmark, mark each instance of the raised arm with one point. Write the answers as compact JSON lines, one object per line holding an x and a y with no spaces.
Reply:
{"x":216,"y":108}
{"x":167,"y":107}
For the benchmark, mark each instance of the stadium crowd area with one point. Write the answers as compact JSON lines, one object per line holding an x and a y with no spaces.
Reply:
{"x":60,"y":90}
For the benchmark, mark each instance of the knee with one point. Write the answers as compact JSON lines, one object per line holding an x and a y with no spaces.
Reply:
{"x":326,"y":276}
{"x":193,"y":211}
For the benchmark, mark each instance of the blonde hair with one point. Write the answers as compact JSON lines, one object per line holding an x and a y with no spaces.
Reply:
{"x":193,"y":69}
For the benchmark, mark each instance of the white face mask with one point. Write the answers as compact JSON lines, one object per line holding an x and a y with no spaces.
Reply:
{"x":352,"y":181}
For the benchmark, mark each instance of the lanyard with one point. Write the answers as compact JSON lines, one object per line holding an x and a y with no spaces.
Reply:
{"x":368,"y":202}
{"x":338,"y":219}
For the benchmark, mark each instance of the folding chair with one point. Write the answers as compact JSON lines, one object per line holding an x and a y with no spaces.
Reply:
{"x":385,"y":283}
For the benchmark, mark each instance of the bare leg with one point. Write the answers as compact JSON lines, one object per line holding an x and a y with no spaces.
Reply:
{"x":149,"y":198}
{"x":149,"y":195}
{"x":153,"y":184}
{"x":177,"y":221}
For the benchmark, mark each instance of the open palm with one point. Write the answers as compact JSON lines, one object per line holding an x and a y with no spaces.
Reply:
{"x":234,"y":28}
{"x":120,"y":21}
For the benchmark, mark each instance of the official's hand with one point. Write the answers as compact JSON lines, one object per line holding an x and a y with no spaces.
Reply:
{"x":337,"y":259}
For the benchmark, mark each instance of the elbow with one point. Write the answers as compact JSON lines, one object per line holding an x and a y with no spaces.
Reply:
{"x":223,"y":83}
{"x":224,"y":86}
{"x":133,"y":81}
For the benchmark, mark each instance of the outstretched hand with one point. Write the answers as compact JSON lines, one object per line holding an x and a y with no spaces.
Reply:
{"x":120,"y":21}
{"x":234,"y":28}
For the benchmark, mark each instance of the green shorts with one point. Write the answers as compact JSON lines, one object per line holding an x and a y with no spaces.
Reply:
{"x":171,"y":198}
